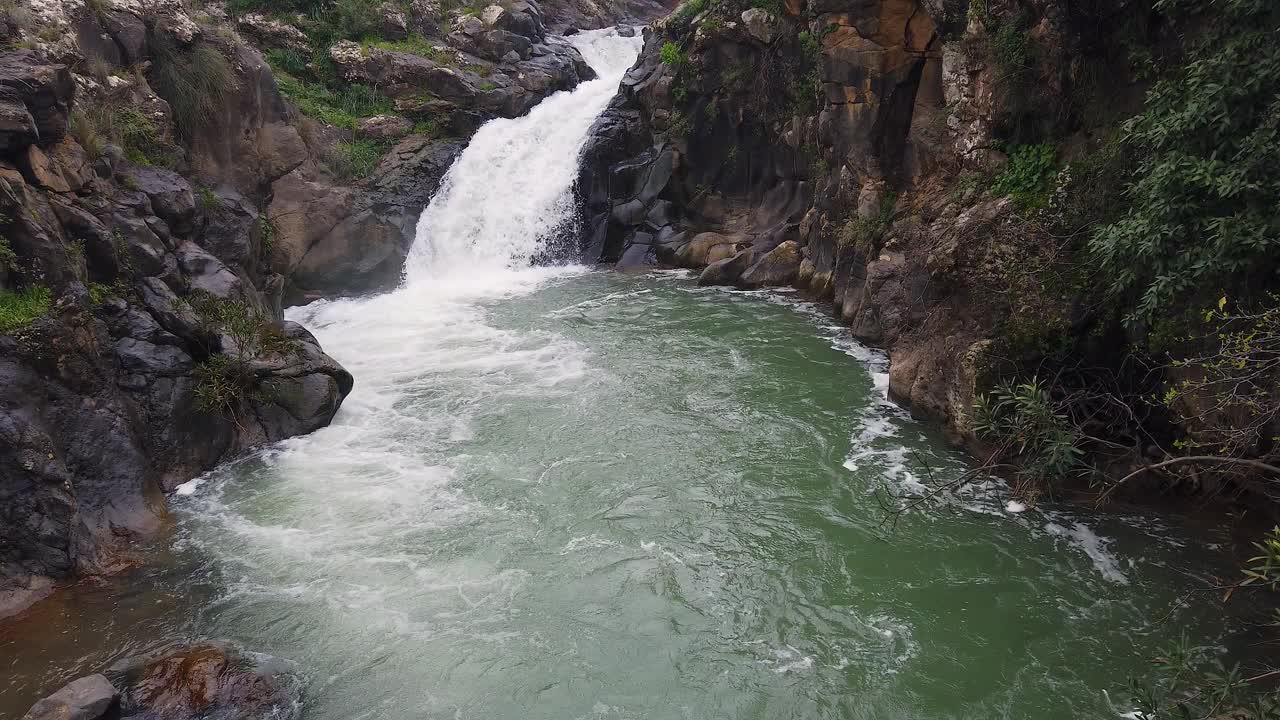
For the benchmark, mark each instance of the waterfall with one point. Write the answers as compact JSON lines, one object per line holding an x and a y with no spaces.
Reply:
{"x":512,"y":188}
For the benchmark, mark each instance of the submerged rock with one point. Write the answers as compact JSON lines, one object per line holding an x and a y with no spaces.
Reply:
{"x":208,"y":680}
{"x":88,"y":698}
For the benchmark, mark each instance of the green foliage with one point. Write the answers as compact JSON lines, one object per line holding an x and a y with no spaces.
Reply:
{"x":1227,"y":395}
{"x":287,"y":61}
{"x":771,"y":6}
{"x":865,"y":233}
{"x":672,"y":55}
{"x":1011,"y":51}
{"x":488,"y":86}
{"x":8,"y":258}
{"x":1022,"y":419}
{"x":1192,"y":682}
{"x":414,"y":45}
{"x":342,"y":108}
{"x":357,"y":159}
{"x":1264,"y":568}
{"x":680,"y":125}
{"x":226,"y":380}
{"x":1203,"y":210}
{"x":1028,"y":178}
{"x":355,"y":19}
{"x":17,"y":310}
{"x":266,"y":234}
{"x":207,"y":199}
{"x":197,"y":83}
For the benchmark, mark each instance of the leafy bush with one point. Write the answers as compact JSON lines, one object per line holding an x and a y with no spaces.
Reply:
{"x":207,"y":199}
{"x":226,"y":380}
{"x":355,"y":19}
{"x":1028,"y":178}
{"x":196,"y":82}
{"x":341,"y":108}
{"x":357,"y":159}
{"x":17,"y":310}
{"x":672,"y":55}
{"x":414,"y":45}
{"x":287,"y":61}
{"x":1228,"y":394}
{"x":1022,"y":419}
{"x":8,"y":259}
{"x":1011,"y":50}
{"x":1203,"y":212}
{"x":865,"y":234}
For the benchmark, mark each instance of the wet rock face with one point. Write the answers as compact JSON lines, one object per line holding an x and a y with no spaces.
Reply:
{"x":104,"y":400}
{"x":694,"y":164}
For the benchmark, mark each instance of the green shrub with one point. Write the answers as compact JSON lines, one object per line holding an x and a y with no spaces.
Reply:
{"x":226,"y":380}
{"x":672,"y":55}
{"x":356,"y":19}
{"x":1022,"y":419}
{"x":266,"y":234}
{"x":341,"y":108}
{"x":1028,"y":178}
{"x":357,"y":159}
{"x":196,"y":82}
{"x":8,"y":258}
{"x":1011,"y":51}
{"x":17,"y":310}
{"x":1202,"y":209}
{"x":414,"y":45}
{"x":865,"y":234}
{"x":207,"y":199}
{"x":287,"y":61}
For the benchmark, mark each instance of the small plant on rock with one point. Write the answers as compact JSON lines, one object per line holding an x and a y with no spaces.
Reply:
{"x":17,"y":310}
{"x":672,"y":55}
{"x":1028,"y":178}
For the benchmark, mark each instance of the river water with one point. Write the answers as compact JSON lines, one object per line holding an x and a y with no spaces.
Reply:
{"x":562,"y":493}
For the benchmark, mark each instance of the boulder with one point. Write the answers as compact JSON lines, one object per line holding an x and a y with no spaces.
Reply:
{"x":778,"y":267}
{"x":170,"y":194}
{"x":698,"y":251}
{"x":760,"y":24}
{"x":64,"y":167}
{"x":88,"y":698}
{"x":385,"y":127}
{"x":45,"y":90}
{"x":273,"y":33}
{"x":425,"y":16}
{"x":209,"y":680}
{"x":727,"y":271}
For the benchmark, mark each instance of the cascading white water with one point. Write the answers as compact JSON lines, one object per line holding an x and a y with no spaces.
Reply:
{"x":512,"y":186}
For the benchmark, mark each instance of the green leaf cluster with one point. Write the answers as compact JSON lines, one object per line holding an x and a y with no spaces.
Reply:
{"x":1028,"y":178}
{"x":1203,"y":211}
{"x":17,"y":310}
